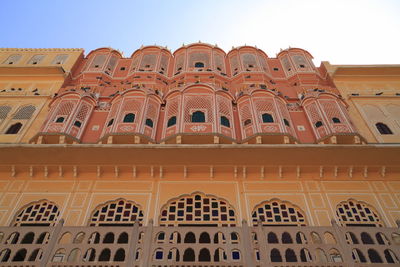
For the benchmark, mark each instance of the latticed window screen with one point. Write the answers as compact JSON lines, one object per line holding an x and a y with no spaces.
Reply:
{"x":249,"y":60}
{"x":245,"y":112}
{"x":152,"y":110}
{"x":264,"y":106}
{"x":234,"y":64}
{"x":4,"y":110}
{"x":12,"y":59}
{"x":199,"y":102}
{"x":164,"y":63}
{"x":286,"y":64}
{"x":353,"y":212}
{"x":60,"y":59}
{"x":42,"y":212}
{"x":199,"y":57}
{"x":285,"y":113}
{"x":331,"y":109}
{"x":117,"y":212}
{"x":111,"y":63}
{"x":82,"y":113}
{"x":148,"y":61}
{"x":263,"y":63}
{"x":132,"y":106}
{"x":36,"y":59}
{"x":198,"y":208}
{"x":98,"y":61}
{"x":179,"y":62}
{"x":219,"y":62}
{"x":313,"y":113}
{"x":276,"y":212}
{"x":300,"y":61}
{"x":224,"y":107}
{"x":135,"y":63}
{"x":24,"y":113}
{"x":65,"y":109}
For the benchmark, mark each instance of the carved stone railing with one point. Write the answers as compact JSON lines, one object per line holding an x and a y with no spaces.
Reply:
{"x":242,"y":246}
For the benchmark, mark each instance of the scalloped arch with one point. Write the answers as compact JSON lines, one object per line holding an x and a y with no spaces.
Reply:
{"x":41,"y":212}
{"x":355,"y":212}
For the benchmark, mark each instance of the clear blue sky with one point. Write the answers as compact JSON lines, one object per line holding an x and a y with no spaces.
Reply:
{"x":340,"y":31}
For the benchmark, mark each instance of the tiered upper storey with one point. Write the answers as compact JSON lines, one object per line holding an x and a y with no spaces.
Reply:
{"x":198,"y":94}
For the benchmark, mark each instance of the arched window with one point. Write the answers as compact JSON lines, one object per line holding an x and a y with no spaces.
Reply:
{"x":90,"y":255}
{"x":382,"y":239}
{"x":204,"y":255}
{"x":286,"y":238}
{"x":13,"y":238}
{"x":59,"y":256}
{"x":390,"y":256}
{"x":329,"y":238}
{"x":173,"y":255}
{"x":94,"y":238}
{"x":175,"y":238}
{"x":275,"y":255}
{"x":120,"y":212}
{"x":189,"y":255}
{"x":225,"y":121}
{"x":190,"y":238}
{"x":196,"y":209}
{"x":383,"y":128}
{"x":335,"y":256}
{"x":286,"y":122}
{"x":40,"y":213}
{"x":357,"y":213}
{"x":234,"y":238}
{"x":5,"y":255}
{"x":358,"y":256}
{"x":305,"y":255}
{"x":171,"y":121}
{"x":335,"y":120}
{"x":219,"y":238}
{"x":119,"y":255}
{"x":20,"y":255}
{"x":316,"y":239}
{"x":74,"y":255}
{"x":65,"y":238}
{"x":108,"y":238}
{"x":219,"y":255}
{"x":247,"y":122}
{"x":199,"y":65}
{"x":276,"y":212}
{"x":198,"y":116}
{"x":301,"y":238}
{"x":366,"y":239}
{"x":60,"y":120}
{"x":351,"y":238}
{"x":14,"y":129}
{"x":78,"y":124}
{"x":28,"y":238}
{"x":204,"y":238}
{"x":272,"y":238}
{"x":43,"y":238}
{"x":105,"y":255}
{"x":123,"y":238}
{"x":321,"y":256}
{"x":290,"y":255}
{"x":374,"y":256}
{"x":36,"y":255}
{"x":318,"y":124}
{"x":266,"y":118}
{"x":130,"y":117}
{"x":396,"y":238}
{"x":149,"y":122}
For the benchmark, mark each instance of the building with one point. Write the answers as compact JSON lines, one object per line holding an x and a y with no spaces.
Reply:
{"x":199,"y":158}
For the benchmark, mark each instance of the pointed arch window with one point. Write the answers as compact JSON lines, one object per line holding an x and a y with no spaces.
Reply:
{"x":336,"y":120}
{"x":199,"y":65}
{"x":171,"y":121}
{"x":120,"y":212}
{"x":357,"y":213}
{"x":14,"y":128}
{"x":383,"y":128}
{"x":276,"y":212}
{"x":318,"y":124}
{"x":225,"y":122}
{"x":267,"y":118}
{"x":40,"y":213}
{"x":198,"y":116}
{"x":130,"y":117}
{"x":149,"y":122}
{"x":197,"y":209}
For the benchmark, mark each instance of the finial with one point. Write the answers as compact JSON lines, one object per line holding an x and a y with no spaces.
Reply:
{"x":199,"y":41}
{"x":141,"y":46}
{"x":183,"y":44}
